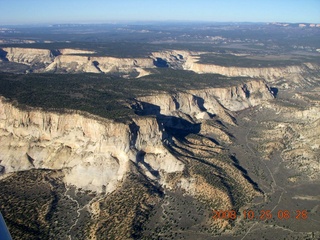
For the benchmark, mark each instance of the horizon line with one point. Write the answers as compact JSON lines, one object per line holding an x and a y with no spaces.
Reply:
{"x":115,"y":22}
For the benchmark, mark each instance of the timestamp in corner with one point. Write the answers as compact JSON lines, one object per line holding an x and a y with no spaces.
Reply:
{"x":261,"y":215}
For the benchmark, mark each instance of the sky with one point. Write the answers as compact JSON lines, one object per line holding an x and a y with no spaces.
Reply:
{"x":105,"y":11}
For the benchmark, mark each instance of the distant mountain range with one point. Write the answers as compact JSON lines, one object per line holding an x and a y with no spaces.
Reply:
{"x":302,"y":25}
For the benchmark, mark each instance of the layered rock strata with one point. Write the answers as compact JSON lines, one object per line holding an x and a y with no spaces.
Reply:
{"x":28,"y":56}
{"x":95,"y":152}
{"x":76,"y":61}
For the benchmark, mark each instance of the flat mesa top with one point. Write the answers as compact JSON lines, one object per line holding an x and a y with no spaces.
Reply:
{"x":99,"y":94}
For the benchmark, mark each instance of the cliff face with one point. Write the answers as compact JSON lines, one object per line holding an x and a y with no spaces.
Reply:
{"x":127,"y":65}
{"x":190,"y":61}
{"x":66,"y":51}
{"x":92,"y":152}
{"x":173,"y":59}
{"x":74,"y":61}
{"x":267,"y":73}
{"x":28,"y":55}
{"x":201,"y":104}
{"x":76,"y":64}
{"x":239,"y":97}
{"x":293,"y":128}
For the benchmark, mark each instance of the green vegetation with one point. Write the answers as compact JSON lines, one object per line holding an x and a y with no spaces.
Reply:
{"x":33,"y":205}
{"x":23,"y":201}
{"x":110,"y":49}
{"x":123,"y":213}
{"x":103,"y":95}
{"x":241,"y":61}
{"x":224,"y":182}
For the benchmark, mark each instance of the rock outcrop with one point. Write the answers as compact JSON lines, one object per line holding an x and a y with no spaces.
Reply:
{"x":126,"y":65}
{"x":72,"y":64}
{"x":174,"y":59}
{"x":201,"y":104}
{"x":292,"y":128}
{"x":294,"y":73}
{"x":190,"y":61}
{"x":78,"y":64}
{"x":72,"y":51}
{"x":93,"y":152}
{"x":76,"y":61}
{"x":29,"y":56}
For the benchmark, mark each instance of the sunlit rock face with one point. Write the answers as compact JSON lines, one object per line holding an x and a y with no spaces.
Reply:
{"x":28,"y":55}
{"x":295,"y":74}
{"x":94,"y":152}
{"x":199,"y":104}
{"x":77,"y":64}
{"x":83,"y":61}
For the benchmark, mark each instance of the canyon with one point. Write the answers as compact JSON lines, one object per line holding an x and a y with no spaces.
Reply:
{"x":167,"y":138}
{"x":85,"y":61}
{"x":94,"y":151}
{"x":97,"y":154}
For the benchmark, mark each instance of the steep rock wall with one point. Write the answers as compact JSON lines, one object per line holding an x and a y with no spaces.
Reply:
{"x":66,"y":51}
{"x":267,"y":73}
{"x":127,"y":65}
{"x":239,"y":97}
{"x":107,"y":63}
{"x":93,"y":152}
{"x":74,"y":63}
{"x":190,"y":61}
{"x":200,"y":104}
{"x":67,"y":60}
{"x":28,"y":55}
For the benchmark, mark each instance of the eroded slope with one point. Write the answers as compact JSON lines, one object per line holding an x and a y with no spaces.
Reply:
{"x":167,"y":147}
{"x":298,"y":73}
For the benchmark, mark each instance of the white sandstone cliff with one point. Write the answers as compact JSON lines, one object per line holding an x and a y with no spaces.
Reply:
{"x":190,"y":61}
{"x":76,"y":64}
{"x":72,"y":63}
{"x":75,"y":61}
{"x":68,"y":51}
{"x":200,"y":104}
{"x":28,"y":55}
{"x":93,"y":152}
